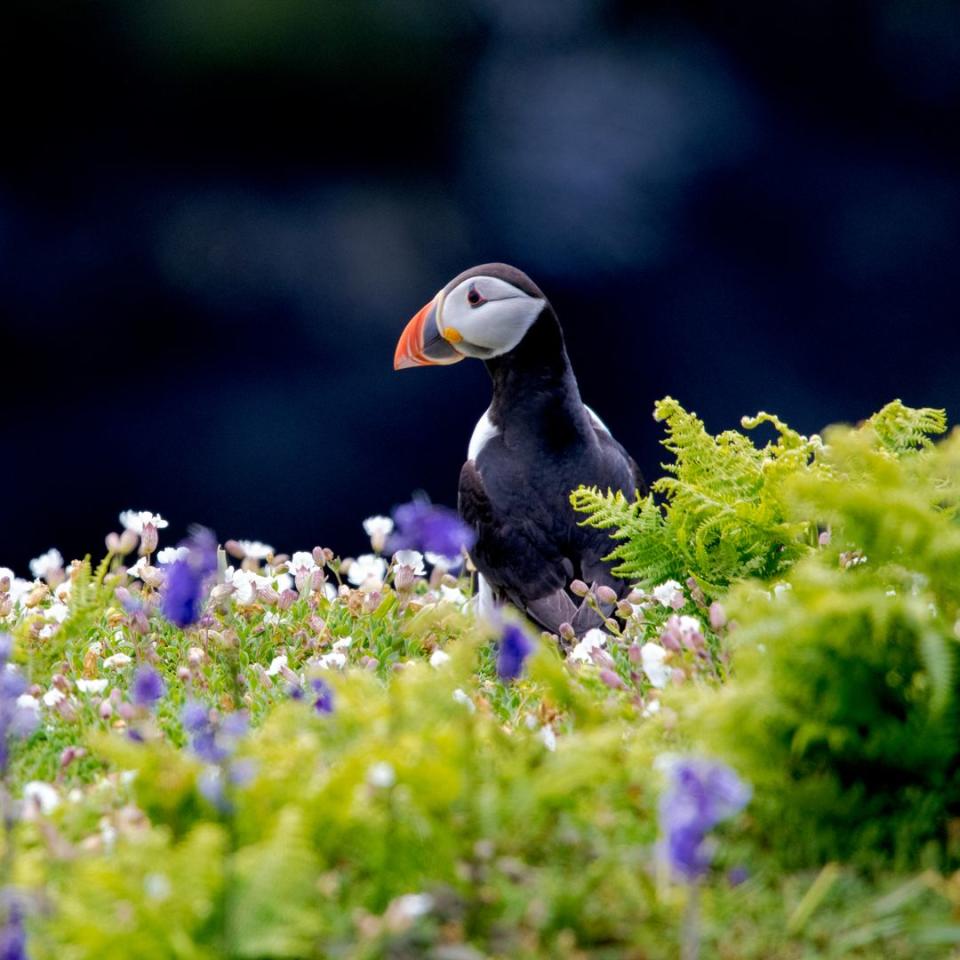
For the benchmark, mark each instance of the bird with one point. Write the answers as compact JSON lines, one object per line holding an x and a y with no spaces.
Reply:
{"x":534,"y":445}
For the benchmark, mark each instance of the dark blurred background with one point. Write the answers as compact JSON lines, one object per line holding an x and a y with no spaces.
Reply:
{"x":216,"y":217}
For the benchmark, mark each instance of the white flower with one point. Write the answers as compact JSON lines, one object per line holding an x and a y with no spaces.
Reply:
{"x":651,"y":709}
{"x":444,"y":563}
{"x":378,"y":529}
{"x":247,"y":583}
{"x":410,"y":558}
{"x":689,"y":625}
{"x":343,"y":643}
{"x":438,"y":658}
{"x":96,"y":648}
{"x":271,"y":619}
{"x":27,"y":702}
{"x":461,"y":696}
{"x":256,"y":550}
{"x":367,"y":567}
{"x":652,"y":657}
{"x":139,"y":568}
{"x":334,"y":660}
{"x":411,"y":905}
{"x":276,"y":665}
{"x":46,"y":562}
{"x":19,"y":587}
{"x":91,"y":686}
{"x":117,"y":660}
{"x":57,"y":611}
{"x":669,"y":594}
{"x":781,"y":588}
{"x":53,"y":696}
{"x":302,"y":562}
{"x":170,"y":555}
{"x":594,"y":639}
{"x":549,"y":738}
{"x":381,"y":775}
{"x":157,"y":886}
{"x":452,"y":595}
{"x":136,"y":520}
{"x":38,"y":794}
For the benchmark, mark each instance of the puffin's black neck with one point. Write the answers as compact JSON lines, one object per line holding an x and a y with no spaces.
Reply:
{"x":535,"y":393}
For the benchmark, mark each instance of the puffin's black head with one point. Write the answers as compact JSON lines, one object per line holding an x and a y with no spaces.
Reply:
{"x":484,"y":312}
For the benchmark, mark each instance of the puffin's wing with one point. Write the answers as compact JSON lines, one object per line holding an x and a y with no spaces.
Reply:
{"x":516,"y":555}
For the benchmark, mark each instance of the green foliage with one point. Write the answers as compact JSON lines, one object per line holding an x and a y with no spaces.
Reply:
{"x":844,"y":706}
{"x":725,"y":512}
{"x":439,"y":812}
{"x":900,"y":429}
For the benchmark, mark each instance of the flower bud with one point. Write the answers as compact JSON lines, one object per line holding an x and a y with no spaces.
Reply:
{"x":235,"y":550}
{"x":267,"y":595}
{"x":718,"y":616}
{"x":612,"y":679}
{"x":579,"y":588}
{"x":606,"y":594}
{"x":403,"y":577}
{"x":319,"y":556}
{"x":148,"y":539}
{"x":636,"y":596}
{"x":221,"y":591}
{"x":287,"y":599}
{"x":106,"y":710}
{"x":567,"y":632}
{"x":128,"y":542}
{"x":36,"y":595}
{"x":4,"y":584}
{"x":634,"y":653}
{"x":183,"y":674}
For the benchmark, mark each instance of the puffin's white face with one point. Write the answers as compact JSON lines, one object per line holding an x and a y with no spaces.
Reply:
{"x":485,"y":317}
{"x":480,"y":317}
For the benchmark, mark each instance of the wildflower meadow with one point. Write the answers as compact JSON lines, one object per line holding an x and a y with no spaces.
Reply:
{"x":226,"y":749}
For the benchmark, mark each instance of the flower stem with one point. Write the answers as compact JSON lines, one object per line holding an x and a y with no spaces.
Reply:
{"x":690,"y":925}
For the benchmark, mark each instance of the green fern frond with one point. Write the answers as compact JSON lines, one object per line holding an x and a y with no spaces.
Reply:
{"x":900,"y":428}
{"x":648,"y":553}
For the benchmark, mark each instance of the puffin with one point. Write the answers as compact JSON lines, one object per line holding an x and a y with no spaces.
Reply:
{"x":535,"y":444}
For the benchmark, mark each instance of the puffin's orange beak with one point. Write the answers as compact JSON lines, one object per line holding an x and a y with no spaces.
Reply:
{"x":421,"y":344}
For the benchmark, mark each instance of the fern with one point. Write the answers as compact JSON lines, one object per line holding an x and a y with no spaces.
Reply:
{"x":900,"y":429}
{"x":648,"y":551}
{"x":729,"y":509}
{"x":723,"y":515}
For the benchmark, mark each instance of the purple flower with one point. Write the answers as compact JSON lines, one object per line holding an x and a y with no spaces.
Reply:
{"x":183,"y":591}
{"x":425,"y":527}
{"x":212,"y":740}
{"x":13,"y":937}
{"x":15,"y":721}
{"x":148,"y":687}
{"x":701,"y":793}
{"x":515,"y":647}
{"x":195,"y":717}
{"x":324,"y":701}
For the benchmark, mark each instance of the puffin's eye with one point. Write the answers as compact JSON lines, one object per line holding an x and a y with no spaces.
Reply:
{"x":474,"y":297}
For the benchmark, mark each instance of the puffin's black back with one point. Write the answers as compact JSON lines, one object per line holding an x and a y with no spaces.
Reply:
{"x":515,"y":493}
